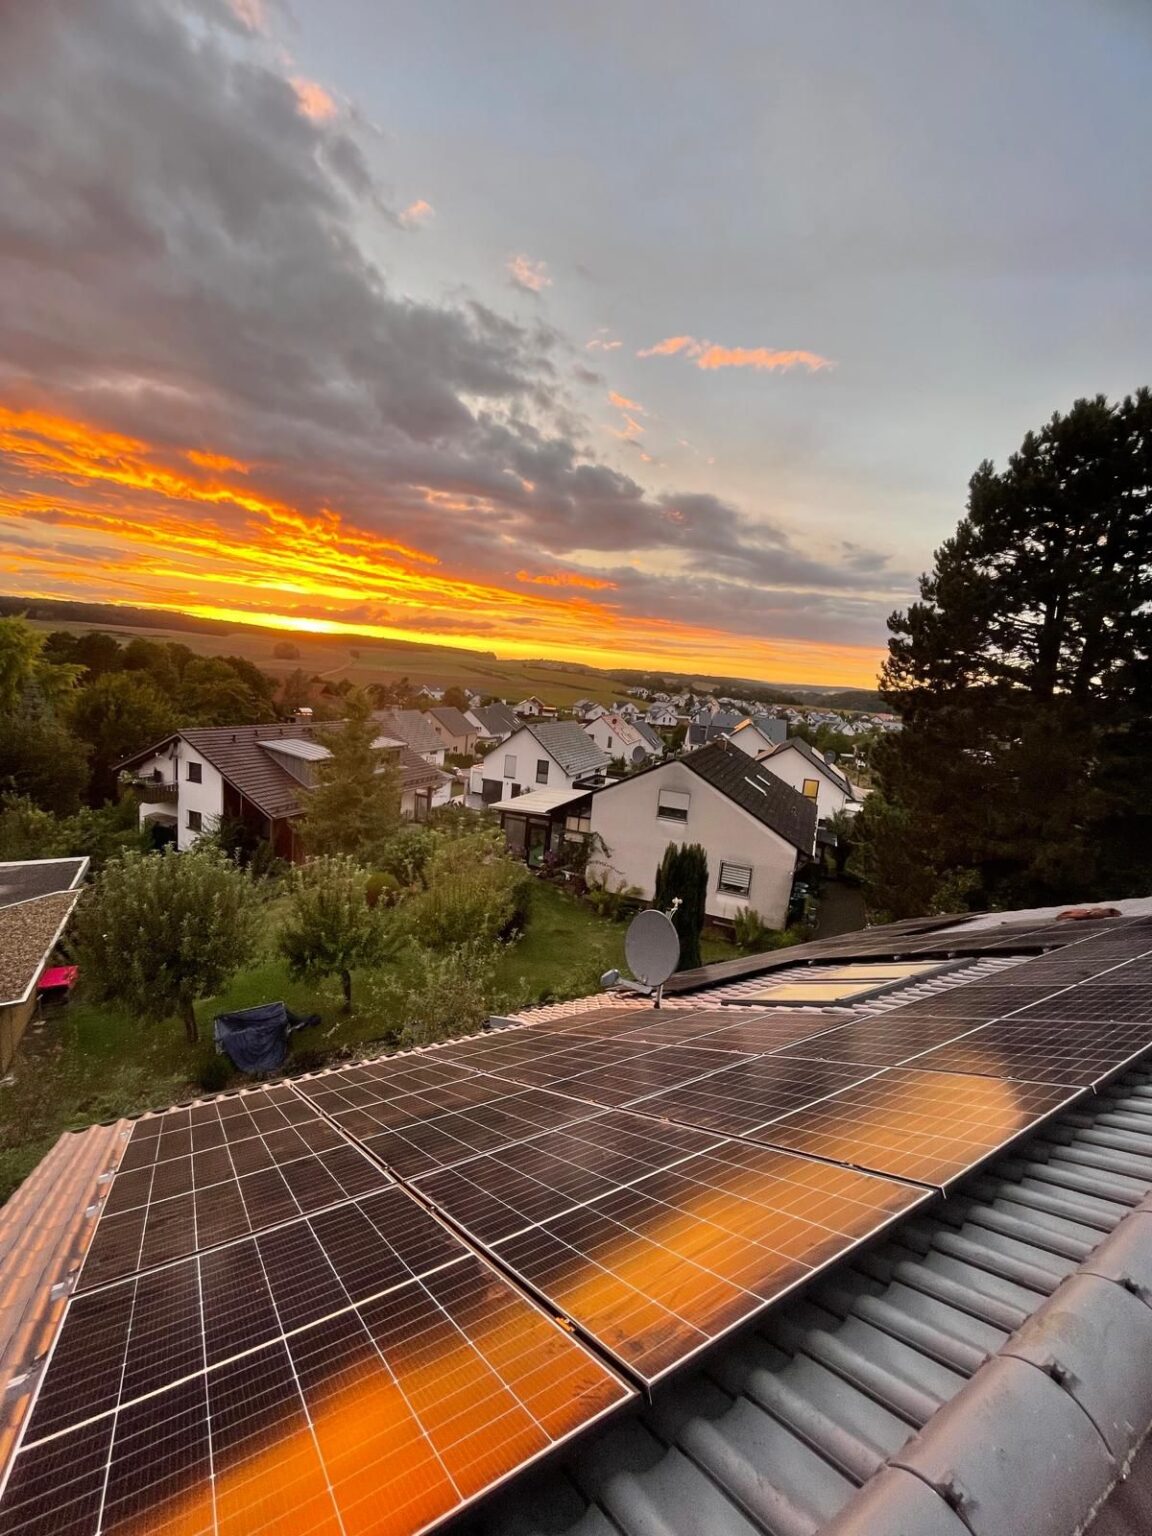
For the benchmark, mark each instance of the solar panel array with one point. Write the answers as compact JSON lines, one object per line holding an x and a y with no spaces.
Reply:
{"x":332,"y":1305}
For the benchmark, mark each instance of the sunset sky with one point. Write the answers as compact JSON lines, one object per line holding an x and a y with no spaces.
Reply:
{"x":637,"y":331}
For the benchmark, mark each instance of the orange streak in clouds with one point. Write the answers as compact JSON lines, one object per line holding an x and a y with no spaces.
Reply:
{"x":313,"y":100}
{"x":182,"y":529}
{"x":706,"y":355}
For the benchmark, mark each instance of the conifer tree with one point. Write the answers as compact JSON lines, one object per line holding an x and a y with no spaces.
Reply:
{"x":355,"y":807}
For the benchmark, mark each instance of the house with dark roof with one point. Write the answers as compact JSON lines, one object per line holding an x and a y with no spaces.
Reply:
{"x":494,"y":722}
{"x":755,"y":829}
{"x":709,"y":724}
{"x":545,"y":754}
{"x":758,"y":734}
{"x":258,"y":775}
{"x":620,"y":737}
{"x":452,"y":728}
{"x":796,"y":763}
{"x":412,"y":728}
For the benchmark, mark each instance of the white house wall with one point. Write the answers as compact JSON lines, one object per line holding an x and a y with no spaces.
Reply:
{"x":207,"y":797}
{"x":625,"y":817}
{"x":528,"y":752}
{"x":792,"y":769}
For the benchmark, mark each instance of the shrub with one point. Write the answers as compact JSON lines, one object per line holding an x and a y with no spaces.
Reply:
{"x":749,"y":929}
{"x":481,"y":902}
{"x":332,"y":928}
{"x":452,"y":993}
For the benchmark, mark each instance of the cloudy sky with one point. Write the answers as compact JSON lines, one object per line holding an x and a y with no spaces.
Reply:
{"x":633,"y":330}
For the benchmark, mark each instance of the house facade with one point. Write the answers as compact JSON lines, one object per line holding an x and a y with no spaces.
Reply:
{"x":622,"y":738}
{"x":411,"y":728}
{"x":758,"y":734}
{"x":493,"y":722}
{"x":453,"y":729}
{"x":755,"y":830}
{"x":803,"y":768}
{"x":258,"y":776}
{"x":554,"y":754}
{"x":663,"y":717}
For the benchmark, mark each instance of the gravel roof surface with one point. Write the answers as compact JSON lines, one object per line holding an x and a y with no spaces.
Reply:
{"x":26,"y":934}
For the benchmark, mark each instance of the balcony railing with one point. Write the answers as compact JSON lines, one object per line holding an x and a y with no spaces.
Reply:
{"x":149,"y":788}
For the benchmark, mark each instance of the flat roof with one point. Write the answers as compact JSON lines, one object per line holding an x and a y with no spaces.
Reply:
{"x":21,"y":879}
{"x":539,"y":802}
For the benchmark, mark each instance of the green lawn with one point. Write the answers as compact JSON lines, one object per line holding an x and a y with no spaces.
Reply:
{"x":93,"y":1063}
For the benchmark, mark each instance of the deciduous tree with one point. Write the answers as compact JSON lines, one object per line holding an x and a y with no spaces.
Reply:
{"x":158,"y":931}
{"x":331,"y":928}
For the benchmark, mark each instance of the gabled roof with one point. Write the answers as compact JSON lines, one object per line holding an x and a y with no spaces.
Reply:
{"x":707,"y":727}
{"x":454,"y":721}
{"x":776,"y":804}
{"x":410,"y":727}
{"x":648,"y":735}
{"x":417,"y":773}
{"x":567,"y":742}
{"x":496,"y":719}
{"x":814,"y":760}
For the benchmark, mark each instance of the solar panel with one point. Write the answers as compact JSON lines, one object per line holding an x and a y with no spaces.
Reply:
{"x":885,"y":1040}
{"x":1103,"y":1002}
{"x":559,"y":1066}
{"x":167,"y":1201}
{"x":743,"y":1099}
{"x":657,"y":1239}
{"x":348,"y":1369}
{"x":1045,"y":1052}
{"x":927,"y":1126}
{"x":660,"y":1068}
{"x":768,"y":1030}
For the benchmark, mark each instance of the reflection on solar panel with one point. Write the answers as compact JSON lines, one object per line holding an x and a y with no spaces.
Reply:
{"x":655,"y":1238}
{"x":649,"y":1073}
{"x":745,"y":1098}
{"x":192,"y":1178}
{"x":884,"y":1041}
{"x":1043,"y":1052}
{"x":927,"y":1126}
{"x":765,"y":1031}
{"x":358,"y":1370}
{"x":1105,"y":1002}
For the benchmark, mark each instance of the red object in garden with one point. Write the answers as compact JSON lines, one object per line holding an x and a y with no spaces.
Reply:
{"x":59,"y":978}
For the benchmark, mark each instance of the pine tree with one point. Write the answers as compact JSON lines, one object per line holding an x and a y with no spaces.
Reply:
{"x":1024,"y":683}
{"x":355,"y":807}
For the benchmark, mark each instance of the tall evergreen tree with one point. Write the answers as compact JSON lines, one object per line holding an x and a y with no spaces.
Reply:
{"x":355,"y":806}
{"x":1024,"y":683}
{"x":683,"y":874}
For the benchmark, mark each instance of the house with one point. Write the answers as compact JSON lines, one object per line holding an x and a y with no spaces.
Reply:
{"x":758,"y":734}
{"x":587,"y":709}
{"x":756,"y":830}
{"x":493,"y":722}
{"x":633,"y":741}
{"x":37,"y":897}
{"x":539,"y":822}
{"x":796,"y":763}
{"x":258,"y":775}
{"x":410,"y":727}
{"x":530,"y":708}
{"x":628,"y":711}
{"x":663,"y":717}
{"x":551,"y":754}
{"x":453,"y":728}
{"x":709,"y":724}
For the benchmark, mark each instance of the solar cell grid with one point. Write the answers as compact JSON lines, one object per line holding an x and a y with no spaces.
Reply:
{"x":743,"y":1099}
{"x":1096,"y":1003}
{"x":1044,"y":1052}
{"x":350,"y":1409}
{"x":656,"y":1268}
{"x":915,"y":1124}
{"x":768,"y":1030}
{"x":884,"y":1040}
{"x":557,"y":1068}
{"x":663,"y":1067}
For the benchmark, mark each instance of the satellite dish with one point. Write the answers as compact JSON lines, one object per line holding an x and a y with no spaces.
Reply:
{"x":652,"y":947}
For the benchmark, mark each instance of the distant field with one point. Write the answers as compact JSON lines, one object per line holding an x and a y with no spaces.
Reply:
{"x":370,"y":661}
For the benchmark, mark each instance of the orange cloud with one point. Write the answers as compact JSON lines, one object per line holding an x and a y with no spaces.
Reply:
{"x":97,"y":514}
{"x":622,"y":403}
{"x":417,"y":213}
{"x":567,"y":579}
{"x":602,"y":342}
{"x":706,"y":355}
{"x":313,"y":100}
{"x":532,"y":275}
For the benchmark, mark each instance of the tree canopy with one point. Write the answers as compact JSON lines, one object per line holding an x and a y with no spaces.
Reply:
{"x":1023,"y":680}
{"x":331,"y":928}
{"x":355,"y":806}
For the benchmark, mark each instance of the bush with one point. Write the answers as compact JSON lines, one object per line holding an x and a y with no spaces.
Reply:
{"x":483,"y":902}
{"x":453,"y":992}
{"x":749,"y":929}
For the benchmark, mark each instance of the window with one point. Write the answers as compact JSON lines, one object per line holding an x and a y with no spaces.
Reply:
{"x":195,"y":821}
{"x":736,"y":879}
{"x":672,"y":805}
{"x":811,"y":788}
{"x":195,"y":773}
{"x":578,"y":823}
{"x":509,"y":765}
{"x":542,"y":771}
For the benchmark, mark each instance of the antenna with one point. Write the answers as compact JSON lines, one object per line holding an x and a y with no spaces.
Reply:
{"x":652,"y":948}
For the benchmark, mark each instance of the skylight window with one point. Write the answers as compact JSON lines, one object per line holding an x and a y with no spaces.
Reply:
{"x":833,"y":985}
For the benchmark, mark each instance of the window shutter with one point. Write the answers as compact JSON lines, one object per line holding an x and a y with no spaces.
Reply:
{"x":736,"y":878}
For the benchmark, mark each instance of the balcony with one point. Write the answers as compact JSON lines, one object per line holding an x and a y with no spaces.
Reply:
{"x":150,"y":787}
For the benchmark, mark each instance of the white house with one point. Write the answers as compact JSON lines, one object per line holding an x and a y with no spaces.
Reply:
{"x":634,"y":742}
{"x":493,"y":722}
{"x":257,"y":775}
{"x":803,"y":768}
{"x":758,"y":734}
{"x":553,"y":754}
{"x":530,"y":708}
{"x":411,"y":727}
{"x":755,"y":829}
{"x":587,"y":709}
{"x":663,"y":717}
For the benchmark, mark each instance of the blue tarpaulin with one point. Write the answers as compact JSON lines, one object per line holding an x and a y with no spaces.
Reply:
{"x":256,"y":1039}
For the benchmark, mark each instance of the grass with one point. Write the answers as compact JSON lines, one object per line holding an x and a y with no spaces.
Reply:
{"x":95,"y":1063}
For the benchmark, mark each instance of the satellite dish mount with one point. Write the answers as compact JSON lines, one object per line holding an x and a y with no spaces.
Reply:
{"x":652,"y":949}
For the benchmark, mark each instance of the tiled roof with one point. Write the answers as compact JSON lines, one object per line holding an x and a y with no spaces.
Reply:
{"x":453,"y":720}
{"x":234,"y":752}
{"x":410,"y":727}
{"x":648,"y":735}
{"x":497,"y":719}
{"x":566,"y":741}
{"x":415,"y":773}
{"x":756,"y":791}
{"x":45,"y":1229}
